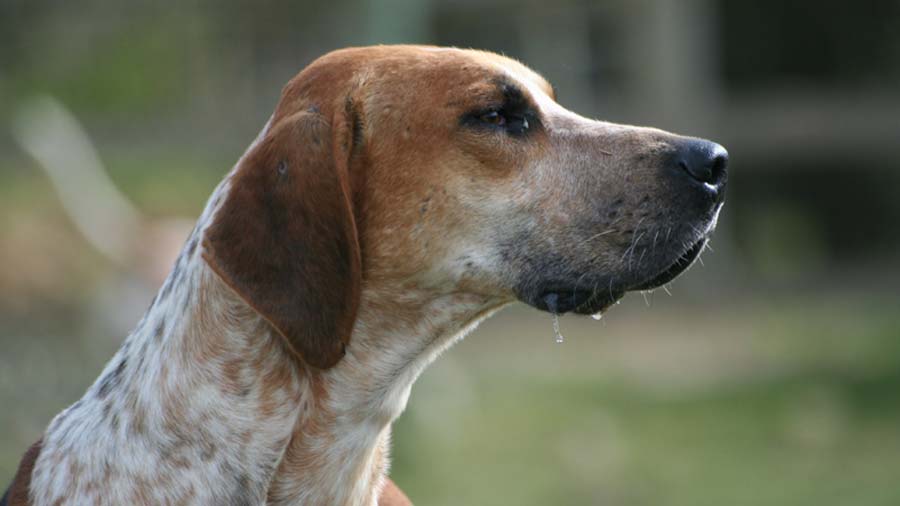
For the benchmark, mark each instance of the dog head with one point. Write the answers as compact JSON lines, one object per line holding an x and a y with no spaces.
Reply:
{"x":449,"y":171}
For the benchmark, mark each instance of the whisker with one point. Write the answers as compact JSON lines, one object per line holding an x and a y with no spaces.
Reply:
{"x":578,"y":281}
{"x":591,"y":238}
{"x":634,"y":240}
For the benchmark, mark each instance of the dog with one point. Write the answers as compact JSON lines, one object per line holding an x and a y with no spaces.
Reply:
{"x":397,"y":196}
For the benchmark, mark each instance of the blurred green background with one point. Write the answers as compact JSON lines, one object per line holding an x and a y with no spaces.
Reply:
{"x":771,"y":376}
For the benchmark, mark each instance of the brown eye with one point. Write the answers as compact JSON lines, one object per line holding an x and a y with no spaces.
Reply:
{"x":494,"y":118}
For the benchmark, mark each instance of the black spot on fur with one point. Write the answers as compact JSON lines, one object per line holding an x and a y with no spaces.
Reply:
{"x":160,"y":328}
{"x":188,"y":295}
{"x":192,"y":245}
{"x":65,"y":414}
{"x":244,"y":492}
{"x":356,"y":127}
{"x":176,"y":273}
{"x":112,"y":380}
{"x":357,"y":132}
{"x":167,"y":287}
{"x":244,"y":495}
{"x":208,"y":451}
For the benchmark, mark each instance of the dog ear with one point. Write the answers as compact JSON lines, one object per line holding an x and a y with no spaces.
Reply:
{"x":285,"y":237}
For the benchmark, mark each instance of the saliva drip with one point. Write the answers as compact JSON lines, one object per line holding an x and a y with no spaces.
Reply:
{"x":559,"y":336}
{"x":551,"y":300}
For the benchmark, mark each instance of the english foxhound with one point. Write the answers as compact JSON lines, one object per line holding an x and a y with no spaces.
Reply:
{"x":397,"y":196}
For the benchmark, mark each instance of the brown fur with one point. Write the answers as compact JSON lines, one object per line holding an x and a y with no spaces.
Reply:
{"x":285,"y":238}
{"x":21,"y":484}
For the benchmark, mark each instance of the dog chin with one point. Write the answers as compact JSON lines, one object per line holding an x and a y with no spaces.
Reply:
{"x":559,"y":298}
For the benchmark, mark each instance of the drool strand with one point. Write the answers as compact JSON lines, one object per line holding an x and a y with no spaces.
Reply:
{"x":551,"y":300}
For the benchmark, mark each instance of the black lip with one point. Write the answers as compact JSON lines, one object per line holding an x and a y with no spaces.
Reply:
{"x":677,"y":267}
{"x":559,"y":299}
{"x":565,"y":300}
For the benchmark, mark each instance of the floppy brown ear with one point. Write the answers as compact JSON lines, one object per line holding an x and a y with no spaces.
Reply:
{"x":285,"y":238}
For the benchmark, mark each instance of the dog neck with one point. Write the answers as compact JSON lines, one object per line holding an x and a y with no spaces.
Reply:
{"x":197,"y":406}
{"x":339,"y":450}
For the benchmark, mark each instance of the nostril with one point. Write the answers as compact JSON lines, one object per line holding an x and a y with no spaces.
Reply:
{"x":697,"y":171}
{"x":718,"y":166}
{"x":704,"y":161}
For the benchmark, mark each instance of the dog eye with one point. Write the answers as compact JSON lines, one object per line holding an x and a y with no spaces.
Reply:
{"x":493,"y":118}
{"x":513,"y":123}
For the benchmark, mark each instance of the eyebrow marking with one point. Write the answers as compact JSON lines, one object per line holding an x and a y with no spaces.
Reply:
{"x":513,"y":94}
{"x":545,"y":105}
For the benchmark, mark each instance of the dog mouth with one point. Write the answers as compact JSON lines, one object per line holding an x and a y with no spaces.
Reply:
{"x":559,"y":300}
{"x":678,"y":266}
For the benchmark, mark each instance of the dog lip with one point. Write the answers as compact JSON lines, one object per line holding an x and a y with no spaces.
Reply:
{"x":677,"y":267}
{"x":560,"y":300}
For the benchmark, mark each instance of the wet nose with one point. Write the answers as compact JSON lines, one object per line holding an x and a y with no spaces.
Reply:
{"x":703,"y":161}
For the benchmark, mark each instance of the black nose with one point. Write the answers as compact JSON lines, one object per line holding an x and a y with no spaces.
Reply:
{"x":703,"y":161}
